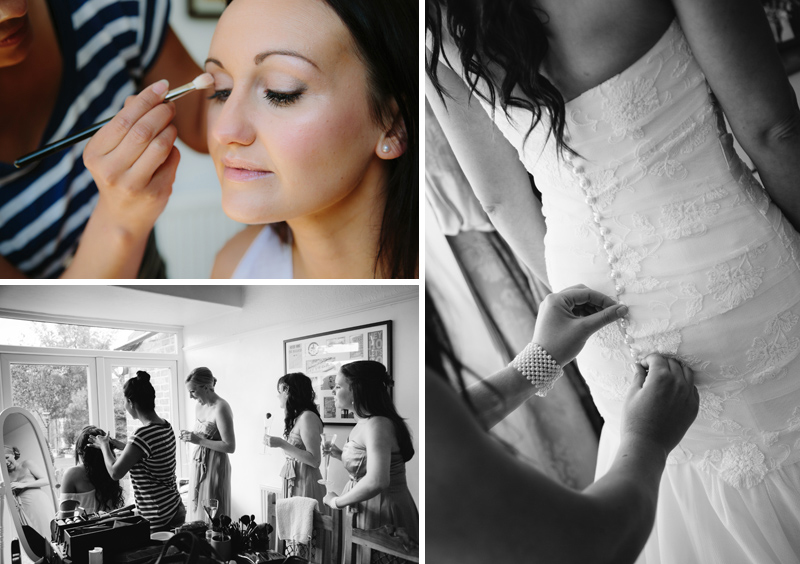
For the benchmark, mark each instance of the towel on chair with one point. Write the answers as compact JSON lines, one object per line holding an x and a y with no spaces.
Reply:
{"x":295,"y":518}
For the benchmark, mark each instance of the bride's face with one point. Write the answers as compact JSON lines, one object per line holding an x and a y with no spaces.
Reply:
{"x":289,"y":127}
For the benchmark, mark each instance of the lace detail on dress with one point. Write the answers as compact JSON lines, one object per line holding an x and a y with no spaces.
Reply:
{"x":687,"y":218}
{"x":659,"y":211}
{"x":626,"y":103}
{"x":773,"y":348}
{"x":740,"y":465}
{"x":734,"y":284}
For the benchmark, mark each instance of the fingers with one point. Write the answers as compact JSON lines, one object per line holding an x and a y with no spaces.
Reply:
{"x":118,"y":128}
{"x":654,"y":361}
{"x":639,"y":377}
{"x":688,"y":373}
{"x":581,"y":295}
{"x":154,"y":155}
{"x":598,"y":320}
{"x":675,"y":367}
{"x":146,"y":132}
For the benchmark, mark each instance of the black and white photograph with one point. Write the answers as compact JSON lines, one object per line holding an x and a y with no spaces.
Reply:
{"x":612,"y":281}
{"x":148,"y":418}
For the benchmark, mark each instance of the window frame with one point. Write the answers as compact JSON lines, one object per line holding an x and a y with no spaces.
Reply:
{"x":99,"y":363}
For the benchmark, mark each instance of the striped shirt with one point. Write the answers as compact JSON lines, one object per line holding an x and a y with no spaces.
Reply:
{"x":107,"y":47}
{"x":155,"y":488}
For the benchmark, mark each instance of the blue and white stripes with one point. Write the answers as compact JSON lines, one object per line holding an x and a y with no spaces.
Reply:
{"x":107,"y":47}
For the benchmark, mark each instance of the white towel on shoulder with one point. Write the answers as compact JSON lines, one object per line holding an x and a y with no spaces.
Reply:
{"x":295,"y":518}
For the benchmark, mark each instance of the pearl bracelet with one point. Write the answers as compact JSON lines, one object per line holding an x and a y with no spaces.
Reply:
{"x":539,"y":367}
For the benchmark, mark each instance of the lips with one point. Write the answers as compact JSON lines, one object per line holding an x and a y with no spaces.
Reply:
{"x":238,"y":170}
{"x":15,"y":34}
{"x":245,"y":175}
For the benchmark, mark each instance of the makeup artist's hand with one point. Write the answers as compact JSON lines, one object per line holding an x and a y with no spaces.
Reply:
{"x":133,"y":161}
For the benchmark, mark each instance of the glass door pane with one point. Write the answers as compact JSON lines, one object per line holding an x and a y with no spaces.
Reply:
{"x":162,"y":380}
{"x":58,"y":396}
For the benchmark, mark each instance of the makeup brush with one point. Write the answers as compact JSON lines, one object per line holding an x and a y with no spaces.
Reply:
{"x":202,"y":82}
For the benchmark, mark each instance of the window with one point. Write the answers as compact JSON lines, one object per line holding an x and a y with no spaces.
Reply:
{"x":26,"y":333}
{"x":72,"y":374}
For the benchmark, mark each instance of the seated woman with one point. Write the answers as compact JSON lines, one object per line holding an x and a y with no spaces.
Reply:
{"x":313,"y":133}
{"x":301,"y":442}
{"x":149,"y":456}
{"x":375,"y":453}
{"x":88,"y":481}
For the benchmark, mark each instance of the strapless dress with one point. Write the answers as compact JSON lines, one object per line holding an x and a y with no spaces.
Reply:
{"x":659,"y":211}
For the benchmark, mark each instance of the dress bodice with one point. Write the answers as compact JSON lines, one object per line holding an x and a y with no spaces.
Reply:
{"x":354,"y":459}
{"x":658,"y":210}
{"x":208,"y":429}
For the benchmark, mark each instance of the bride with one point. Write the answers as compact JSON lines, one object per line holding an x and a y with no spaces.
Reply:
{"x":616,"y":109}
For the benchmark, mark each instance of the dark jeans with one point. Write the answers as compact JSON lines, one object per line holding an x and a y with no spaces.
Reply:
{"x":177,"y":520}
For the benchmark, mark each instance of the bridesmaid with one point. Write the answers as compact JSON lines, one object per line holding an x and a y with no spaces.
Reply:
{"x":375,"y":453}
{"x":213,"y":433}
{"x":302,"y":438}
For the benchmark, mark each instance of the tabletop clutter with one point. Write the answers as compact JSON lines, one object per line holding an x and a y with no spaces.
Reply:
{"x":123,"y":537}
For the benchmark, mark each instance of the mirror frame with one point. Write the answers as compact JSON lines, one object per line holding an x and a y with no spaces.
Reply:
{"x":7,"y":496}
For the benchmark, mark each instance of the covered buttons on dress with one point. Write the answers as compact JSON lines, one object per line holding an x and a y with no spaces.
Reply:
{"x":604,"y":232}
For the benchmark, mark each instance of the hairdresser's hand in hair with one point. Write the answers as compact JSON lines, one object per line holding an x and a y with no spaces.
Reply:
{"x":661,"y":403}
{"x":568,"y":318}
{"x":99,"y":441}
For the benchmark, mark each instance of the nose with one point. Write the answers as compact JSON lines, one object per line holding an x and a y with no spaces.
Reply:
{"x":233,"y":124}
{"x":12,"y":9}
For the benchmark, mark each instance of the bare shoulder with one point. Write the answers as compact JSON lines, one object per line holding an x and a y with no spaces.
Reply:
{"x":72,"y":478}
{"x":228,"y":257}
{"x":310,"y":418}
{"x":223,"y":407}
{"x":379,"y":426}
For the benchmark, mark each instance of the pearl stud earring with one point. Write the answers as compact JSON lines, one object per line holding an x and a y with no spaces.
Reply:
{"x":385,"y":148}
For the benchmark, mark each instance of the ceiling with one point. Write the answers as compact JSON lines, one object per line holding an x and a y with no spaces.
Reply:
{"x":164,"y":305}
{"x":183,"y":306}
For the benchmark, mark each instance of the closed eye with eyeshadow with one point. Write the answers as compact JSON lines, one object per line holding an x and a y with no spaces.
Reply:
{"x":274,"y":97}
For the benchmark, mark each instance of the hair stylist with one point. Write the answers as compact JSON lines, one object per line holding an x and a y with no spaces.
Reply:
{"x":149,"y":457}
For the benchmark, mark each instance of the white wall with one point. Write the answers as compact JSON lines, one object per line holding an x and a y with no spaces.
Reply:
{"x":245,"y":353}
{"x":193,"y":227}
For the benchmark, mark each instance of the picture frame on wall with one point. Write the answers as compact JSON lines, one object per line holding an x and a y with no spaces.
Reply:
{"x":320,"y":356}
{"x":206,"y":8}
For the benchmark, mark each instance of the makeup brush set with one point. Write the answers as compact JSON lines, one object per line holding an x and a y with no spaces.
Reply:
{"x":114,"y":532}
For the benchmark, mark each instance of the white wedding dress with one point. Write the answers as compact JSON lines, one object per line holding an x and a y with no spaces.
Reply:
{"x":660,"y":211}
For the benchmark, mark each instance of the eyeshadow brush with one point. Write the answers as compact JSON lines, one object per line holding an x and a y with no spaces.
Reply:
{"x":202,"y":82}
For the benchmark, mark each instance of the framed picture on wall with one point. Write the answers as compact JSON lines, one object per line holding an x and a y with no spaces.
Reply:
{"x":321,"y":355}
{"x":206,"y":8}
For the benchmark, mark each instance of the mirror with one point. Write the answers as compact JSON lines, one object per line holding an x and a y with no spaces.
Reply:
{"x":28,"y":480}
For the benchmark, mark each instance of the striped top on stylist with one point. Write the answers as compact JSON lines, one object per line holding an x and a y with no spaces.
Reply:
{"x":153,"y":477}
{"x":149,"y":456}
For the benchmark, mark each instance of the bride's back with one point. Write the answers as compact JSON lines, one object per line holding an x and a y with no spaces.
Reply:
{"x":589,"y":41}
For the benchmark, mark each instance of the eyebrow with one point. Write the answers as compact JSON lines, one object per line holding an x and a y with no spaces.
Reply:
{"x":258,"y":59}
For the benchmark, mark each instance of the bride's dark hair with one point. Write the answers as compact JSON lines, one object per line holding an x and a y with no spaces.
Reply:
{"x":508,"y":35}
{"x":107,"y":491}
